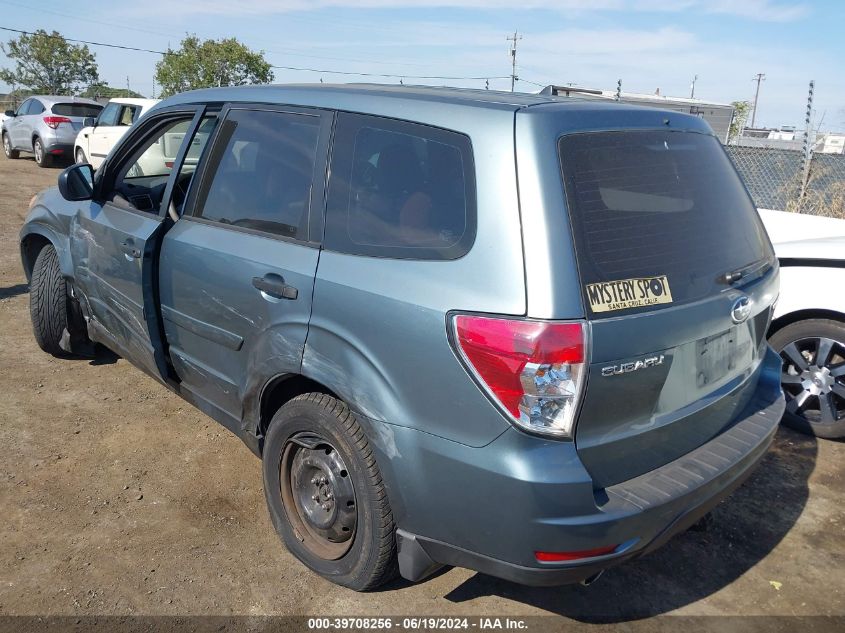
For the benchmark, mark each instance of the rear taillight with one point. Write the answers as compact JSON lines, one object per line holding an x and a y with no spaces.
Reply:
{"x":535,"y":370}
{"x":54,"y":121}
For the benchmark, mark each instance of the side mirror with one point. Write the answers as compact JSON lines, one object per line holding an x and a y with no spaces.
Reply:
{"x":89,"y":121}
{"x":10,"y":113}
{"x":77,"y":182}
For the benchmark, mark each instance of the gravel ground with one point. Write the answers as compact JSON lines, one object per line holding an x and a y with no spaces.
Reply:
{"x":118,"y":498}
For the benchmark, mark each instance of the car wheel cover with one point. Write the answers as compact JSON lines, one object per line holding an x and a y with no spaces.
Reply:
{"x":813,"y":379}
{"x":39,"y":151}
{"x":7,"y":146}
{"x":319,"y":496}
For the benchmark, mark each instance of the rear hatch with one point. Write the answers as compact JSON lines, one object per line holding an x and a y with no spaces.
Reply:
{"x":678,"y":278}
{"x":76,"y":113}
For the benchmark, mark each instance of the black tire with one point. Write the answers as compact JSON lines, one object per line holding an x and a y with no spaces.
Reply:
{"x":42,"y":158}
{"x":48,"y":301}
{"x":814,"y":386}
{"x":325,"y":425}
{"x":7,"y":148}
{"x":79,"y":156}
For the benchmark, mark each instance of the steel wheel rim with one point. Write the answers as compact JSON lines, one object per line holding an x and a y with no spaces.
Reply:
{"x":38,"y":151}
{"x":7,"y":146}
{"x":80,"y":156}
{"x":813,"y":379}
{"x":318,"y":495}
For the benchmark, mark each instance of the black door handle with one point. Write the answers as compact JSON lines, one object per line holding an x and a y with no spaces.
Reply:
{"x":275,"y":286}
{"x":130,"y":250}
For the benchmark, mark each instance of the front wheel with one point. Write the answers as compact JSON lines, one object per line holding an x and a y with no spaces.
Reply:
{"x":813,"y":376}
{"x":80,"y":156}
{"x":325,"y":493}
{"x":48,"y":301}
{"x":42,"y":158}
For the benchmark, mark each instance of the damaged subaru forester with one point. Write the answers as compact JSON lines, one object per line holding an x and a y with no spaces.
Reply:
{"x":513,"y":333}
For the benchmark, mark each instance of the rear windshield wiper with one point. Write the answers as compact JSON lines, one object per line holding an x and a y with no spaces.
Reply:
{"x":734,"y":276}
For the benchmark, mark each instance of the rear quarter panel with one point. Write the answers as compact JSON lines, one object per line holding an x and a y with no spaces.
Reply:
{"x":378,"y":331}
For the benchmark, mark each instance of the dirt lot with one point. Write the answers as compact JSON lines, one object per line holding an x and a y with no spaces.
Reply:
{"x":118,"y":498}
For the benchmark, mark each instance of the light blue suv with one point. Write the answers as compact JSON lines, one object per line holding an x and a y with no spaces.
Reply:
{"x":505,"y":332}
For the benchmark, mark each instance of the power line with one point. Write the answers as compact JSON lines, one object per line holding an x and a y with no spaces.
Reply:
{"x":298,"y":68}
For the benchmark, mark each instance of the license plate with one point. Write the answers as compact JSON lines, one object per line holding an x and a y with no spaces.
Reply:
{"x":720,"y":355}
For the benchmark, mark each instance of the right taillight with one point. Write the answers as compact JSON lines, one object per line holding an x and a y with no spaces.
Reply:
{"x":535,"y":370}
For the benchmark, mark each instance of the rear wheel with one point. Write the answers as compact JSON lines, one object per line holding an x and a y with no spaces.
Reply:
{"x":7,"y":148}
{"x":813,"y":375}
{"x":80,"y":156}
{"x":325,"y":493}
{"x":48,"y":301}
{"x":42,"y":158}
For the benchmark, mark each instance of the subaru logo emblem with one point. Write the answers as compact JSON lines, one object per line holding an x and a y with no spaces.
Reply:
{"x":741,"y":309}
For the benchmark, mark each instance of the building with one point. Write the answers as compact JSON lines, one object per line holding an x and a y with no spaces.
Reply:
{"x":830,"y":143}
{"x":718,"y":115}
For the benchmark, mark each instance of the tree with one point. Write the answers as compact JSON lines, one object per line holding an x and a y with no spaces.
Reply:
{"x":104,"y":91}
{"x":48,"y":63}
{"x":741,"y":112}
{"x":198,"y":64}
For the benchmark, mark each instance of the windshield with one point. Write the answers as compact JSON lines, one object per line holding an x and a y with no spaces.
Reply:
{"x":659,"y":217}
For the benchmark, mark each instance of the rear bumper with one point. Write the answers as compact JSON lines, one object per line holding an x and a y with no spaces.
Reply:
{"x":542,"y":500}
{"x":58,"y":149}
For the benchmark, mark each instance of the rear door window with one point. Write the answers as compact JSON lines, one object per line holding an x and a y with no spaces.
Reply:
{"x":658,"y":217}
{"x":35,"y":107}
{"x":261,"y":172}
{"x":400,"y":189}
{"x":76,"y":109}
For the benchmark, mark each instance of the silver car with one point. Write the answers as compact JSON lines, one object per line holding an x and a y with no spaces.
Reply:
{"x":46,"y":126}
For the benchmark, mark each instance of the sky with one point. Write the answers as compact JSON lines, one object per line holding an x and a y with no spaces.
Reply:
{"x":648,"y":44}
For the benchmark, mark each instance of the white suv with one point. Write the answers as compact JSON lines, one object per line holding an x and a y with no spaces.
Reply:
{"x":95,"y":141}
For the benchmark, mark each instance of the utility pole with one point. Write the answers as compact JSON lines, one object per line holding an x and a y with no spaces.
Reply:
{"x":758,"y":78}
{"x":516,"y":37}
{"x":692,"y":88}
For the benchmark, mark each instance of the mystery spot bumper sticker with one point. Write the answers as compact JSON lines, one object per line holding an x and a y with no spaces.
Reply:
{"x":629,"y":293}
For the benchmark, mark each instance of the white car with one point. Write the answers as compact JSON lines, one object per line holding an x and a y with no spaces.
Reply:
{"x":808,"y":328}
{"x":93,"y":143}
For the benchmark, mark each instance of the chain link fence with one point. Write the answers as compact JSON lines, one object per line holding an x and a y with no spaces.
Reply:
{"x":777,"y":179}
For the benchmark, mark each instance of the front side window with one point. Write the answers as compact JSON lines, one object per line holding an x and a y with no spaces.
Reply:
{"x":142,"y":178}
{"x":400,"y":189}
{"x":109,"y":115}
{"x":260,"y":172}
{"x":24,"y":107}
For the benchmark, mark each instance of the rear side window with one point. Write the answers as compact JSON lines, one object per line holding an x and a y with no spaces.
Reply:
{"x":400,"y":189}
{"x":35,"y":107}
{"x":76,"y":109}
{"x":261,"y":171}
{"x":664,"y":211}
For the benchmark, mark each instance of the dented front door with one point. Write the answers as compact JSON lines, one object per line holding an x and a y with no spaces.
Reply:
{"x":114,"y":244}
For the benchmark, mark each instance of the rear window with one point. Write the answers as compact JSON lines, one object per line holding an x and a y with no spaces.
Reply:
{"x":76,"y":109}
{"x":658,"y":217}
